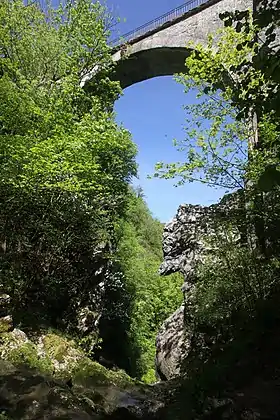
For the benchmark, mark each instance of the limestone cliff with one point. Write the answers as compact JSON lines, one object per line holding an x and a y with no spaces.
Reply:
{"x":226,"y":367}
{"x":188,"y":239}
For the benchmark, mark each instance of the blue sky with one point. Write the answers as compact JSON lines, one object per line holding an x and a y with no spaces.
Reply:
{"x":153,"y":112}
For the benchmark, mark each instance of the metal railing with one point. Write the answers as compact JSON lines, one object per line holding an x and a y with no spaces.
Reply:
{"x":158,"y":22}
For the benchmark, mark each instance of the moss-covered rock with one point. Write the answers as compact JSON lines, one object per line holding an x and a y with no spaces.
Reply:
{"x":10,"y":341}
{"x":63,"y":353}
{"x":6,"y":324}
{"x":16,"y":348}
{"x":27,"y":354}
{"x":88,"y":372}
{"x":51,"y":352}
{"x":109,"y":391}
{"x":94,"y":389}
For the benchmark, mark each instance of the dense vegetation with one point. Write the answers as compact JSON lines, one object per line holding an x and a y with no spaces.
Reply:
{"x":80,"y":249}
{"x":65,"y":165}
{"x":75,"y":236}
{"x":156,"y":297}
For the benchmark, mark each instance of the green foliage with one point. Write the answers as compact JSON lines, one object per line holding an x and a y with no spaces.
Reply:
{"x":65,"y":172}
{"x":54,"y":133}
{"x":264,"y":59}
{"x":154,"y":297}
{"x":65,"y":164}
{"x":51,"y":244}
{"x":233,"y":281}
{"x":226,"y":145}
{"x":261,"y":98}
{"x":137,"y":300}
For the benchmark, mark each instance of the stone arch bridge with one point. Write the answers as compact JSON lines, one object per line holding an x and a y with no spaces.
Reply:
{"x":158,"y":48}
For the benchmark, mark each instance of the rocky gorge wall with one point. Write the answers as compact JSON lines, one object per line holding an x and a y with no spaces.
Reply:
{"x":224,"y":361}
{"x":189,"y":239}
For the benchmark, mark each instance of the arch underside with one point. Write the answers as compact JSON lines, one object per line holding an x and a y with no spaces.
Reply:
{"x":150,"y":63}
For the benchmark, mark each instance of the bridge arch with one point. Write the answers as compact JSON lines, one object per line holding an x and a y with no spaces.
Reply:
{"x":149,"y":63}
{"x":158,"y":48}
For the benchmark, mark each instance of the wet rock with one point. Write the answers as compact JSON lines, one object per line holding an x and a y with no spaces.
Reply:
{"x":114,"y":392}
{"x":25,"y":394}
{"x":75,"y":385}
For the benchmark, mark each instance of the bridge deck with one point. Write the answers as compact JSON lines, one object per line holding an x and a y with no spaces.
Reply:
{"x":158,"y":22}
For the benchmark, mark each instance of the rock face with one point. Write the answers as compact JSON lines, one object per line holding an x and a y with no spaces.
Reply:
{"x":29,"y":394}
{"x":188,"y":239}
{"x":172,"y":345}
{"x":25,"y":394}
{"x":183,"y":244}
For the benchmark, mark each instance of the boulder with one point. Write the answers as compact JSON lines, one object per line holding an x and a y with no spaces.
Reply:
{"x":26,"y":394}
{"x":172,"y":344}
{"x":51,"y":377}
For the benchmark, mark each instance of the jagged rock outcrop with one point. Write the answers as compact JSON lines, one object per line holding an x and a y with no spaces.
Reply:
{"x":225,"y":360}
{"x":172,"y":344}
{"x":188,"y":237}
{"x":188,"y":240}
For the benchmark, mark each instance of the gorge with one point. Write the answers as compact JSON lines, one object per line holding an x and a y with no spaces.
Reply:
{"x":104,"y":312}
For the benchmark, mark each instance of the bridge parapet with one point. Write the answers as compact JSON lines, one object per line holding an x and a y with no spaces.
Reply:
{"x":159,"y":22}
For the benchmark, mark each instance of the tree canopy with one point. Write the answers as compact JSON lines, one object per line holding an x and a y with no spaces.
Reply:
{"x":233,"y":128}
{"x":65,"y":163}
{"x":75,"y":235}
{"x":54,"y":133}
